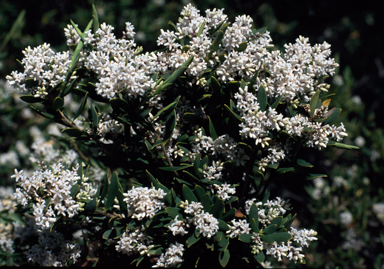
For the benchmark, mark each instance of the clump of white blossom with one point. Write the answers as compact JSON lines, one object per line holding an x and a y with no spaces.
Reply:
{"x":53,"y":250}
{"x":144,"y":202}
{"x":205,"y":223}
{"x":121,"y":70}
{"x":134,"y":241}
{"x":49,"y":191}
{"x":172,"y":256}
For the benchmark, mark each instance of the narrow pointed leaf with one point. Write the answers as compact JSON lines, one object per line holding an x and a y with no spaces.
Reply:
{"x":303,"y":163}
{"x":313,"y":102}
{"x":188,"y":194}
{"x":262,"y":98}
{"x":212,"y":130}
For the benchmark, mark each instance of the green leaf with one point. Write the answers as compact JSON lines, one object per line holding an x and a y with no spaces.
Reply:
{"x":223,"y":226}
{"x":169,"y":107}
{"x":215,"y":84}
{"x":313,"y":102}
{"x":235,"y":115}
{"x":262,"y":98}
{"x":172,"y":78}
{"x":289,"y":221}
{"x":277,"y":102}
{"x":273,"y":165}
{"x":246,"y":238}
{"x":260,"y":257}
{"x":229,"y":215}
{"x":73,"y":132}
{"x":224,"y":257}
{"x":330,"y":116}
{"x":42,"y":113}
{"x":218,"y":208}
{"x":254,"y":218}
{"x":113,"y":189}
{"x":200,"y":191}
{"x":303,"y":163}
{"x":242,"y":47}
{"x":206,"y":202}
{"x":31,"y":83}
{"x":95,"y":25}
{"x":270,"y":229}
{"x":69,"y":88}
{"x":170,"y":124}
{"x":313,"y":176}
{"x":175,"y":168}
{"x":201,"y":29}
{"x":31,"y":99}
{"x":212,"y":129}
{"x":123,"y":205}
{"x":188,"y":194}
{"x":285,"y":170}
{"x":192,"y":240}
{"x":94,"y":116}
{"x":341,"y":145}
{"x":173,"y":212}
{"x":278,"y":220}
{"x":58,"y":103}
{"x":81,"y":107}
{"x":276,"y":237}
{"x":74,"y":190}
{"x":216,"y":41}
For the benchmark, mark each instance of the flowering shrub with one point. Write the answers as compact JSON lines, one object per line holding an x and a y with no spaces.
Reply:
{"x":191,"y":135}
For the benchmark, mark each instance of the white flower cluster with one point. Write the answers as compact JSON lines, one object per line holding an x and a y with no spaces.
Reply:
{"x":267,"y":212}
{"x":177,"y":226}
{"x":259,"y":124}
{"x":134,"y":241}
{"x":6,"y":240}
{"x":238,"y":227}
{"x":378,"y":209}
{"x":172,"y":256}
{"x":50,"y":192}
{"x":205,"y":223}
{"x":224,"y":145}
{"x":53,"y":250}
{"x":44,"y":66}
{"x":224,"y":191}
{"x":117,"y":64}
{"x":107,"y":125}
{"x":144,"y":202}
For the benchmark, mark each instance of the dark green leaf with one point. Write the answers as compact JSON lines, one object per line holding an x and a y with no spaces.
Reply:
{"x":218,"y":208}
{"x":262,"y":98}
{"x":212,"y":129}
{"x":95,"y":17}
{"x":42,"y":113}
{"x":81,"y":107}
{"x":172,"y":78}
{"x":341,"y":145}
{"x":31,"y":83}
{"x":192,"y":240}
{"x":276,"y":237}
{"x":73,"y":132}
{"x":254,"y":218}
{"x":313,"y":176}
{"x":74,"y":190}
{"x":260,"y":257}
{"x":242,"y":47}
{"x":31,"y":99}
{"x":303,"y":163}
{"x":285,"y":170}
{"x":113,"y":189}
{"x":278,"y":220}
{"x":58,"y":103}
{"x":224,"y":257}
{"x":201,"y":29}
{"x":188,"y":194}
{"x":270,"y":229}
{"x":233,"y":113}
{"x":313,"y":102}
{"x":246,"y":238}
{"x":206,"y":202}
{"x":229,"y":215}
{"x":223,"y":226}
{"x":175,"y":168}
